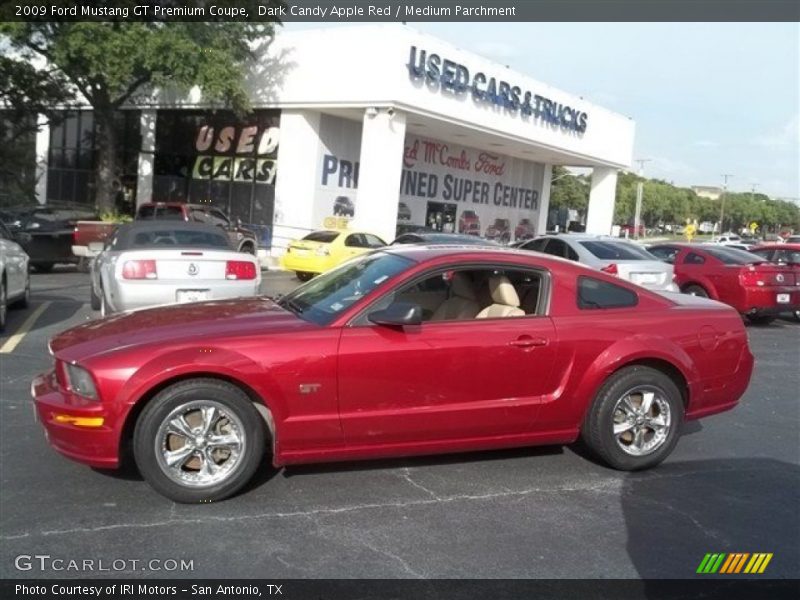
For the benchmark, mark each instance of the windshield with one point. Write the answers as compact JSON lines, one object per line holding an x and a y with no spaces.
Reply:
{"x":617,"y":251}
{"x":325,"y":237}
{"x":733,"y":256}
{"x":323,"y":298}
{"x":160,"y":212}
{"x":180,"y":238}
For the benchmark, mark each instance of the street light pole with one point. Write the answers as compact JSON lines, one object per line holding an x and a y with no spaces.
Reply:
{"x":725,"y":177}
{"x":637,"y":215}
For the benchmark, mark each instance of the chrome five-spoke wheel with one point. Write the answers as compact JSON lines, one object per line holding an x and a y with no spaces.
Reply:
{"x":199,"y":440}
{"x":642,"y":420}
{"x":200,"y":443}
{"x":635,"y":418}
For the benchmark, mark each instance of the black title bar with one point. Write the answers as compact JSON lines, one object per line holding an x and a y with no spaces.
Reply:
{"x":708,"y":588}
{"x":359,"y":11}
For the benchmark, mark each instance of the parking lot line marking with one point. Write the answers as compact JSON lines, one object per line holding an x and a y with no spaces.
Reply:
{"x":15,"y":339}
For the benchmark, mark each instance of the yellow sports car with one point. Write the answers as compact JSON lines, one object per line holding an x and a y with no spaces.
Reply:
{"x":322,"y":250}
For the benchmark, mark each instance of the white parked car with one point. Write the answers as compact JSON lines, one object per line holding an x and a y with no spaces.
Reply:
{"x":15,"y":281}
{"x":151,"y":263}
{"x":728,"y":239}
{"x":623,"y":259}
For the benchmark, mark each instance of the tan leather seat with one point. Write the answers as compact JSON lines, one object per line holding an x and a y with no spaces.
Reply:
{"x":505,"y":298}
{"x":461,"y":304}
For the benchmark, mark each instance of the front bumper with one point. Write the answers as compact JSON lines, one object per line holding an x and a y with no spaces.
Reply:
{"x":97,"y":446}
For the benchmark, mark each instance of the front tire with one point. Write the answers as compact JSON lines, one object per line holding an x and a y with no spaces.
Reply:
{"x":635,"y":419}
{"x":199,"y":440}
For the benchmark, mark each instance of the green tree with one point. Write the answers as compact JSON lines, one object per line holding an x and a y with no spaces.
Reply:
{"x":568,"y":190}
{"x":110,"y":63}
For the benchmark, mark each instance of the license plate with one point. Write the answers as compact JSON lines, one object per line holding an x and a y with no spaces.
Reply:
{"x":783,"y":298}
{"x":646,"y":278}
{"x":300,"y":251}
{"x":191,"y":295}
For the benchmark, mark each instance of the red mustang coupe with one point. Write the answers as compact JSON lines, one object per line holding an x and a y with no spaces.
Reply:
{"x":406,"y":350}
{"x":756,"y":288}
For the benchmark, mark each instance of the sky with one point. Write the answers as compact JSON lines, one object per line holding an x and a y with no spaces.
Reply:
{"x":707,"y":98}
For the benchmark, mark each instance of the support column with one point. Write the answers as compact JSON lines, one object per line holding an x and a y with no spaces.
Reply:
{"x":544,"y":200}
{"x":42,"y":151}
{"x":296,"y":179}
{"x":381,"y":164}
{"x":144,"y":184}
{"x":601,"y":201}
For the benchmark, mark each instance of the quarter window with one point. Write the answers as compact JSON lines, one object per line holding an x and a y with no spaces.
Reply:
{"x":597,"y":294}
{"x":693,"y":259}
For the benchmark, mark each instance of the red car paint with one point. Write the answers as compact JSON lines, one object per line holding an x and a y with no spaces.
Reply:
{"x":445,"y":387}
{"x":751,"y":289}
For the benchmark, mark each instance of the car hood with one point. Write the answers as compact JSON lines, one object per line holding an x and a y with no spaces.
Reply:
{"x":175,"y":324}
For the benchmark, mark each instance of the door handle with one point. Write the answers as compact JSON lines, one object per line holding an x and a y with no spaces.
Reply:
{"x":528,"y":342}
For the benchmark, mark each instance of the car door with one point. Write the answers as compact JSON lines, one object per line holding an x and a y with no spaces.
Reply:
{"x":444,"y":380}
{"x":15,"y":262}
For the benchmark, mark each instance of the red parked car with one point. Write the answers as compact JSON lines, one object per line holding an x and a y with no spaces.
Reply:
{"x":758,"y":289}
{"x":469,"y":223}
{"x":405,"y":350}
{"x":786,"y":254}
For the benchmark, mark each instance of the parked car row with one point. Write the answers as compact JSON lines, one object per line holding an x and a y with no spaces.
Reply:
{"x":758,"y":289}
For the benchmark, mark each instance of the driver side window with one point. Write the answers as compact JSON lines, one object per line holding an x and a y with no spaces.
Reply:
{"x":467,"y":294}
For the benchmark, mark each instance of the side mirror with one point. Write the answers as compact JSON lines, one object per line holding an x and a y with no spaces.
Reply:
{"x":238,"y":222}
{"x":398,"y":314}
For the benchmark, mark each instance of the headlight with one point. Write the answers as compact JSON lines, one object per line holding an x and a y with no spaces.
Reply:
{"x":80,"y":381}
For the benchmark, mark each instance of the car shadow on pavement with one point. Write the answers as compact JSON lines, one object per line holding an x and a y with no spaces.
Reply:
{"x":422,"y":461}
{"x":746,"y":505}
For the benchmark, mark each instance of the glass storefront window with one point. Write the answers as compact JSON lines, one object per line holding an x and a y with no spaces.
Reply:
{"x":214,"y":158}
{"x":72,"y":156}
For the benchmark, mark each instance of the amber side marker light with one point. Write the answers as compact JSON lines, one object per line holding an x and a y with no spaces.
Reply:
{"x":78,"y":421}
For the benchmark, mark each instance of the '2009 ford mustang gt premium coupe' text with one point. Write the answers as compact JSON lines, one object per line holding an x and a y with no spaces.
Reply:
{"x":401,"y":351}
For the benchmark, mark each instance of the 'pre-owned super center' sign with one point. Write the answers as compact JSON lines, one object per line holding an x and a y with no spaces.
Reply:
{"x":455,"y":78}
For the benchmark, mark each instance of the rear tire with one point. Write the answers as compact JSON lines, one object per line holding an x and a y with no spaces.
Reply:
{"x":223,"y":443}
{"x":695,"y":290}
{"x":104,"y":312}
{"x":760,"y":319}
{"x":303,"y":276}
{"x":635,"y":419}
{"x":45,"y":267}
{"x":94,"y":299}
{"x":3,"y":303}
{"x":25,"y":301}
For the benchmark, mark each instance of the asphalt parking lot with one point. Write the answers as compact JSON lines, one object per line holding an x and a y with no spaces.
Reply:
{"x":732,"y":485}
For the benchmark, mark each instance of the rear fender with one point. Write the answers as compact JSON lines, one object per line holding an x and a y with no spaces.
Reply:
{"x":704,"y":283}
{"x":641,"y":348}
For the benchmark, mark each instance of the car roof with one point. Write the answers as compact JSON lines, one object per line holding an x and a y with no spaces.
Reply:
{"x":424,"y":253}
{"x":127,"y":231}
{"x":583,"y":237}
{"x":453,"y":238}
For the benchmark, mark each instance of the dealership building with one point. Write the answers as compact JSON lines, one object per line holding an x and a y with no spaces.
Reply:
{"x":371,"y":127}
